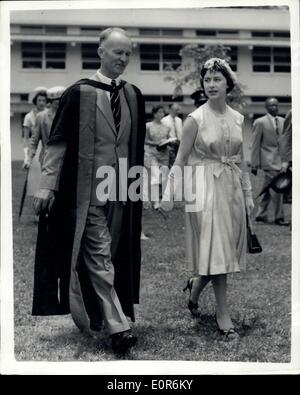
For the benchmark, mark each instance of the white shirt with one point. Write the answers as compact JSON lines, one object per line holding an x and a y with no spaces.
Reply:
{"x":107,"y":80}
{"x":175,"y":124}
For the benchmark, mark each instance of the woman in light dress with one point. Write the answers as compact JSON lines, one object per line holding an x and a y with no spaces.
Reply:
{"x":41,"y":129}
{"x":157,"y":155}
{"x":39,"y":99}
{"x":212,"y":142}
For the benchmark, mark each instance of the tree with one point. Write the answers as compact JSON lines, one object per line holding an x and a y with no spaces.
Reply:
{"x":188,"y":73}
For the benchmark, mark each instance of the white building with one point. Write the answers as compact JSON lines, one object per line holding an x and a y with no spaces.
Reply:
{"x":58,"y":47}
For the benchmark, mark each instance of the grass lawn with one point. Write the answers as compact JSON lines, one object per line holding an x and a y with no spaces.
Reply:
{"x":260,"y":300}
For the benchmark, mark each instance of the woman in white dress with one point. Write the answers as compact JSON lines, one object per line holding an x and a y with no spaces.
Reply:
{"x":41,"y":129}
{"x":157,"y":154}
{"x":212,"y":141}
{"x":39,"y":99}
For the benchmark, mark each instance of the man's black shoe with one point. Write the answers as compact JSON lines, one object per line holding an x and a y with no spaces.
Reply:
{"x":96,"y":326}
{"x":122,"y":342}
{"x":281,"y":222}
{"x":261,"y":219}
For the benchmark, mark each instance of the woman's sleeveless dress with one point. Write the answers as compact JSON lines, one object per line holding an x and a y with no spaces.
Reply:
{"x":216,"y":231}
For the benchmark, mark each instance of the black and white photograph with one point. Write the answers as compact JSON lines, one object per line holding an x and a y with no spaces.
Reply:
{"x":149,"y":210}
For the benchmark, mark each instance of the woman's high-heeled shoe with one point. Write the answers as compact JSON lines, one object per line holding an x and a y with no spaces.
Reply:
{"x":227,"y":334}
{"x":193,"y":307}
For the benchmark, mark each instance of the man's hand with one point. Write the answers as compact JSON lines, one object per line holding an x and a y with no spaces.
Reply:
{"x":27,"y":159}
{"x":43,"y":200}
{"x":254,"y":171}
{"x":26,"y":163}
{"x":284,"y":166}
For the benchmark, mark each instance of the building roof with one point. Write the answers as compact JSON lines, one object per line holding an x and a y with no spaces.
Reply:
{"x":210,"y":18}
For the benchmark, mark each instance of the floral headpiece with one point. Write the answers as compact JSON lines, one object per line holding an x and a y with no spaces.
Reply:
{"x":217,"y":64}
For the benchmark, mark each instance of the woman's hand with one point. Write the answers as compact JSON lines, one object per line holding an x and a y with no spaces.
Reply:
{"x":161,"y":146}
{"x":249,"y":205}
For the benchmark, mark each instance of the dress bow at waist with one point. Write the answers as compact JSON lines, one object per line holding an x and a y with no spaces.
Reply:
{"x":221,"y":163}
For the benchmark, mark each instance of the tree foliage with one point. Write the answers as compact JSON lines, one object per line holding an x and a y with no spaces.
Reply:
{"x":188,"y":73}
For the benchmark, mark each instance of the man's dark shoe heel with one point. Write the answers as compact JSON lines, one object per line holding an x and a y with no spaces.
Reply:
{"x":122,"y":342}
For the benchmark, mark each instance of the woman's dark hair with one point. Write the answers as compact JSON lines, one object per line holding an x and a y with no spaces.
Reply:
{"x":34,"y":100}
{"x":155,"y":109}
{"x":218,"y":66}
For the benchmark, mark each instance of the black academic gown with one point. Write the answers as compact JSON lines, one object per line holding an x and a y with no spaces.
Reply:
{"x":61,"y":283}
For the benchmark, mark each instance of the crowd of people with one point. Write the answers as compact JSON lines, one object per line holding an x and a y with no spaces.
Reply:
{"x":88,"y":254}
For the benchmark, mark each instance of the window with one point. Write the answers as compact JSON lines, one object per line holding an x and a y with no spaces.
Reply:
{"x":282,"y":60}
{"x":261,"y":34}
{"x":149,"y":32}
{"x":157,"y":57}
{"x":216,"y":33}
{"x":171,"y":57}
{"x":227,"y":33}
{"x":206,"y":33}
{"x":24,"y":97}
{"x":49,"y":29}
{"x":281,"y":34}
{"x":261,"y":59}
{"x":233,"y":53}
{"x":166,"y":98}
{"x":32,"y":55}
{"x":43,"y":55}
{"x":285,"y":99}
{"x":271,"y":59}
{"x":160,"y":32}
{"x":264,"y":34}
{"x":35,"y":29}
{"x":163,"y":98}
{"x":258,"y":99}
{"x":91,"y":30}
{"x":55,"y":55}
{"x":55,"y":29}
{"x":89,"y":57}
{"x":150,"y":56}
{"x":152,"y":98}
{"x":262,"y":99}
{"x":171,"y":32}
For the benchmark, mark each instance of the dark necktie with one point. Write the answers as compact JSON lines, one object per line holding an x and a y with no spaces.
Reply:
{"x":276,"y":126}
{"x":115,"y":104}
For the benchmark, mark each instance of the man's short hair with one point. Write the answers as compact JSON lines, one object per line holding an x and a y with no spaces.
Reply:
{"x":107,"y":32}
{"x":174,"y":104}
{"x":269,"y":99}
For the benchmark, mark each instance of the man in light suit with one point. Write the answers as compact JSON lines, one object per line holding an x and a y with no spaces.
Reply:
{"x":173,"y":121}
{"x":88,"y":249}
{"x":265,"y":155}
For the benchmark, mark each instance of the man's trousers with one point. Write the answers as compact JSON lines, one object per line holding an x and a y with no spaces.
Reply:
{"x":270,"y":196}
{"x":97,"y":255}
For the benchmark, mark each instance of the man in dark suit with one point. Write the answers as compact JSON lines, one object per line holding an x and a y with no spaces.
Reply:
{"x":93,"y":237}
{"x":265,"y":155}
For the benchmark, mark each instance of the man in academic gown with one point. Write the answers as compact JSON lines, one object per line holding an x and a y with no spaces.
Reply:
{"x":88,"y":249}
